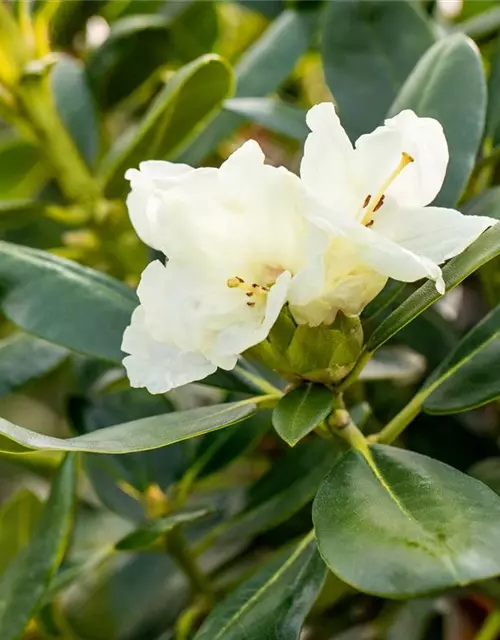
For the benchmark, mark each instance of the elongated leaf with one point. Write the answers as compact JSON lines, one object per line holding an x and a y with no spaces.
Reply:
{"x":260,"y":71}
{"x":477,"y":380}
{"x":302,"y":410}
{"x":487,"y":203}
{"x":394,"y":363}
{"x":26,"y":579}
{"x":273,"y":114}
{"x":482,"y":24}
{"x":149,"y":533}
{"x":449,"y":84}
{"x":289,"y":486}
{"x":75,"y":105}
{"x":369,"y":49}
{"x":189,"y":98}
{"x":135,"y":47}
{"x":479,"y":253}
{"x":138,"y":435}
{"x":273,"y":603}
{"x":63,"y":302}
{"x":24,"y":357}
{"x":23,"y":174}
{"x":406,"y":524}
{"x":18,"y":519}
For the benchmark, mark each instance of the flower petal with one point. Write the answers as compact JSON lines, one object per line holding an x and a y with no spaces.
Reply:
{"x":376,"y":250}
{"x":433,"y":232}
{"x":379,"y":153}
{"x":326,"y":166}
{"x":156,"y":365}
{"x":144,"y":201}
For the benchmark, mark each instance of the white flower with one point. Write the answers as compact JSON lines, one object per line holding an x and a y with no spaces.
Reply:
{"x":376,"y":195}
{"x":237,"y":243}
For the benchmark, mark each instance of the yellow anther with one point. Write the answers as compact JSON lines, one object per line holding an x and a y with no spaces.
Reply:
{"x":378,"y":200}
{"x":235,"y":283}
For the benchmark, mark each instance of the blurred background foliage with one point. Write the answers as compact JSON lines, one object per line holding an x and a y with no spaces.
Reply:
{"x":90,"y":88}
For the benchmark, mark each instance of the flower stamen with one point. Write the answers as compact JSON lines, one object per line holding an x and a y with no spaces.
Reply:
{"x":376,"y":202}
{"x":256,"y":291}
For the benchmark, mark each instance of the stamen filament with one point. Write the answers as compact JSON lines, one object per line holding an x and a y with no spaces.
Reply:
{"x":378,"y":200}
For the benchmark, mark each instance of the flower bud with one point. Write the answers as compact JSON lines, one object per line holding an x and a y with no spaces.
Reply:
{"x":324,"y":354}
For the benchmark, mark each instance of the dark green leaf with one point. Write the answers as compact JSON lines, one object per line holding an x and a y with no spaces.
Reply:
{"x":449,"y":84}
{"x":178,"y":112}
{"x":483,"y":250}
{"x":273,"y":604}
{"x":18,"y":519}
{"x":302,"y":410}
{"x":493,"y":112}
{"x":487,"y":203}
{"x":488,"y":471}
{"x":63,"y":302}
{"x":405,"y":524}
{"x":394,"y":363}
{"x":262,"y":68}
{"x":136,"y":46}
{"x":75,"y":105}
{"x":26,"y":579}
{"x":369,"y":49}
{"x":274,"y":114}
{"x":138,"y":435}
{"x":475,"y":379}
{"x":289,"y":486}
{"x":24,"y":357}
{"x":149,"y":533}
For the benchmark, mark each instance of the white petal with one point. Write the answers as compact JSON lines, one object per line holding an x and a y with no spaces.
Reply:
{"x":379,"y":153}
{"x":433,"y":232}
{"x":156,"y":365}
{"x":144,"y":200}
{"x":326,"y":166}
{"x":376,"y":250}
{"x":340,"y":282}
{"x":255,"y":325}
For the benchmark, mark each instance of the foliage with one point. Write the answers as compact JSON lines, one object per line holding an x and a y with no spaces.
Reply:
{"x":240,"y":507}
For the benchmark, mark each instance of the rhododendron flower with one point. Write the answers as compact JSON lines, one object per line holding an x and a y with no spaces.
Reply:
{"x":376,"y":195}
{"x":237,"y":244}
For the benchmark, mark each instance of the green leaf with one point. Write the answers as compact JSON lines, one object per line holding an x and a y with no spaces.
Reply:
{"x":493,"y":111}
{"x":369,"y":48}
{"x":23,"y":173}
{"x":63,"y":302}
{"x":271,"y":8}
{"x":274,"y":114}
{"x":480,"y":252}
{"x":302,"y":410}
{"x":449,"y":84}
{"x":138,"y":435}
{"x":18,"y":519}
{"x":488,"y":472}
{"x":404,"y":524}
{"x":487,"y":203}
{"x":263,"y":68}
{"x":76,"y":106}
{"x":18,"y":213}
{"x":470,"y":373}
{"x":23,"y":584}
{"x":287,"y":488}
{"x":178,"y":112}
{"x":148,"y":534}
{"x":136,"y":46}
{"x":271,"y":604}
{"x":24,"y":357}
{"x":481,"y":25}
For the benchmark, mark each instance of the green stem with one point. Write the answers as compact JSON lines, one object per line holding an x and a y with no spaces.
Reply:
{"x":341,"y":424}
{"x":37,"y":106}
{"x":177,"y":547}
{"x":399,"y":423}
{"x":491,"y":627}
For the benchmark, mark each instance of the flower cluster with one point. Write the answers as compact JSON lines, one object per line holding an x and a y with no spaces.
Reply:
{"x":247,"y":239}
